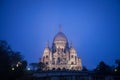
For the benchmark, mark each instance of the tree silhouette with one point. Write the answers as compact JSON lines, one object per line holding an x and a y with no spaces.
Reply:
{"x":117,"y":69}
{"x":12,"y":64}
{"x":34,"y":66}
{"x":41,"y":66}
{"x":15,"y":57}
{"x":4,"y":59}
{"x":103,"y":68}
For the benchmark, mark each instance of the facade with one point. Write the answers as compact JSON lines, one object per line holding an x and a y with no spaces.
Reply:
{"x":60,"y":55}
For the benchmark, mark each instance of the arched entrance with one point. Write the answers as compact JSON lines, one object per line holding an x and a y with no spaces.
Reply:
{"x":53,"y":68}
{"x":63,"y":68}
{"x":58,"y":68}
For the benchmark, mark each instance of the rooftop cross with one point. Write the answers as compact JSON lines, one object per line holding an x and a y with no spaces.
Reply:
{"x":60,"y":28}
{"x":71,"y":44}
{"x":47,"y":44}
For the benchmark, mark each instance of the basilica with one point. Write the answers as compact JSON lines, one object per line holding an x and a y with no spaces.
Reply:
{"x":61,"y":55}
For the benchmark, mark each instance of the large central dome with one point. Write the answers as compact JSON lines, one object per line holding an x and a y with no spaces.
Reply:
{"x":60,"y":40}
{"x":60,"y":36}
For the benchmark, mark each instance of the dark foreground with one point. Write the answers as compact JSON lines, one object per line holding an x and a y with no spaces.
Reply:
{"x":72,"y":75}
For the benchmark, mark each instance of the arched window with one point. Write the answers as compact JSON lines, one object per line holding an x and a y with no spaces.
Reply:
{"x":72,"y":68}
{"x":58,"y":60}
{"x":64,"y":68}
{"x":46,"y":56}
{"x":72,"y":63}
{"x":53,"y":68}
{"x":58,"y":68}
{"x":72,"y":56}
{"x":43,"y":58}
{"x":46,"y":63}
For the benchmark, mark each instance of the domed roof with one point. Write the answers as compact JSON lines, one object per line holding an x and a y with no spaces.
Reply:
{"x":47,"y":49}
{"x":60,"y":36}
{"x":72,"y":49}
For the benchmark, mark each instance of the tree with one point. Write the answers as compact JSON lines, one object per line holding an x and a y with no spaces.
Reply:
{"x":11,"y":63}
{"x":103,"y":68}
{"x":24,"y":65}
{"x":15,"y":57}
{"x":117,"y":69}
{"x":41,"y":66}
{"x":117,"y":61}
{"x":4,"y":58}
{"x":34,"y":66}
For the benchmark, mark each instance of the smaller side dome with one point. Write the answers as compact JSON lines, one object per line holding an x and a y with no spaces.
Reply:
{"x":72,"y":49}
{"x":47,"y":49}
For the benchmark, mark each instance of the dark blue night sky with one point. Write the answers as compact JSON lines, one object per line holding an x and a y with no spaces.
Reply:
{"x":92,"y":25}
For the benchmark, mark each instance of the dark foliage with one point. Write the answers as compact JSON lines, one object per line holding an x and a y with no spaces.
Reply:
{"x":4,"y":58}
{"x":117,"y":68}
{"x":103,"y":69}
{"x":12,"y":65}
{"x":41,"y":66}
{"x":34,"y":66}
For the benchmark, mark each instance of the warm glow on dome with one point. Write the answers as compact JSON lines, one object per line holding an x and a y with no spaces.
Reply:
{"x":60,"y":36}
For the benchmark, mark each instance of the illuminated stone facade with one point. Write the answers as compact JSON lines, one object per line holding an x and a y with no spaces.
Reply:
{"x":61,"y":55}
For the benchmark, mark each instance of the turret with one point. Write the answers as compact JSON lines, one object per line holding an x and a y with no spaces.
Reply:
{"x":73,"y":54}
{"x":46,"y":54}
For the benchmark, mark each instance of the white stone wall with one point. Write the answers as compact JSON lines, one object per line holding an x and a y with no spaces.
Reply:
{"x":63,"y":56}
